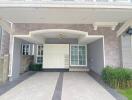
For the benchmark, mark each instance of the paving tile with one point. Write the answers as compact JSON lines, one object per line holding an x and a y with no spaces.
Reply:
{"x":40,"y":86}
{"x":81,"y":86}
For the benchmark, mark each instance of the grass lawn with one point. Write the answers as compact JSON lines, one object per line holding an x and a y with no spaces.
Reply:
{"x":126,"y":92}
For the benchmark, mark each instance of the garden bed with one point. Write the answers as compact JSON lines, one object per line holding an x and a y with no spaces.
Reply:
{"x":117,"y":77}
{"x":126,"y":92}
{"x":120,"y":79}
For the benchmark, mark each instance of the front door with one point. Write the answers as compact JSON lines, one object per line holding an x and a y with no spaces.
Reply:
{"x":56,"y":56}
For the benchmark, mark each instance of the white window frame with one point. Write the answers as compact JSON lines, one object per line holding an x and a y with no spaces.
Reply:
{"x":39,"y":55}
{"x":78,"y":54}
{"x":24,"y":51}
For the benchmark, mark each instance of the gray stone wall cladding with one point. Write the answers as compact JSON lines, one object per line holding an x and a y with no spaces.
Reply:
{"x":4,"y":63}
{"x":1,"y":69}
{"x":26,"y":60}
{"x":111,"y":41}
{"x":5,"y":43}
{"x":0,"y":36}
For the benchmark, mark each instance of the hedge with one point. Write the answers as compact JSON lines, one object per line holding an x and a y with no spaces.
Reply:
{"x":35,"y":67}
{"x":117,"y":77}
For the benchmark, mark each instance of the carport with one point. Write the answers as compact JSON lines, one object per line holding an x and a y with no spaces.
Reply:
{"x":57,"y":43}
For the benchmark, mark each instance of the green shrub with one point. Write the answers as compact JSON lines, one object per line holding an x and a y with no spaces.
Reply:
{"x":35,"y":67}
{"x":117,"y":77}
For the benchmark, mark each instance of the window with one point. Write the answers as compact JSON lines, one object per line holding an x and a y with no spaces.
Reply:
{"x":26,"y":49}
{"x":39,"y":58}
{"x":78,"y":55}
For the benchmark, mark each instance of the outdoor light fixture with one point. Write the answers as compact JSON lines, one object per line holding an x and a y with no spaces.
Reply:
{"x":129,"y":31}
{"x":61,"y":36}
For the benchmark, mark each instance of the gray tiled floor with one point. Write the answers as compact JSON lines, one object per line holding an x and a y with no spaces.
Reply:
{"x":40,"y":86}
{"x":10,"y":84}
{"x":53,"y":85}
{"x":58,"y":90}
{"x":81,"y":86}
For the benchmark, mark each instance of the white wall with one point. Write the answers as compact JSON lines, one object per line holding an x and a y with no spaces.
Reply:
{"x":56,"y":56}
{"x":16,"y":59}
{"x":15,"y":62}
{"x":96,"y":56}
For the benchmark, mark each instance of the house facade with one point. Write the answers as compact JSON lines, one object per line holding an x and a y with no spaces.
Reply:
{"x":76,"y":35}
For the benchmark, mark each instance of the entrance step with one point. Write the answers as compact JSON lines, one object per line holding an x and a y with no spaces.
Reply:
{"x":78,"y":69}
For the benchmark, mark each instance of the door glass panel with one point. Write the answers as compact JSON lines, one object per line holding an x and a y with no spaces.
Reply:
{"x":40,"y":54}
{"x":74,"y":55}
{"x":82,"y":54}
{"x":39,"y":60}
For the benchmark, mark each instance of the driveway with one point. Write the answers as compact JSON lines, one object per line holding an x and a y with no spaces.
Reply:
{"x":58,"y":86}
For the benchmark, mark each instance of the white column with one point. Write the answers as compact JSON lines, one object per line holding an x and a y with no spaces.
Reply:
{"x":43,"y":53}
{"x":15,"y":54}
{"x":11,"y":46}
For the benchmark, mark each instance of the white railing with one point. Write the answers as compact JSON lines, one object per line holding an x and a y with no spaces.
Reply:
{"x":122,"y":2}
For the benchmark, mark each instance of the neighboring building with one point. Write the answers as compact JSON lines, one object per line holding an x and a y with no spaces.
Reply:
{"x":75,"y":35}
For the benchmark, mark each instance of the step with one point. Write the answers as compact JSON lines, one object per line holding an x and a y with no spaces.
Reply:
{"x":78,"y":69}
